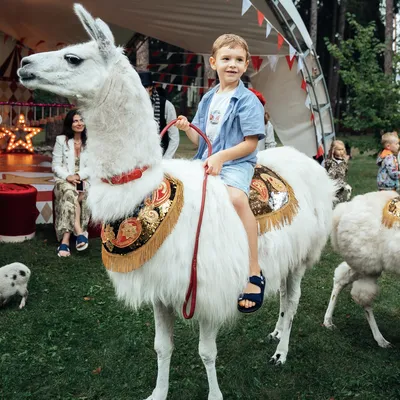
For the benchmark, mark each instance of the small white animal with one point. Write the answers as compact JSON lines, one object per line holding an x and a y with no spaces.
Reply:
{"x":14,"y":280}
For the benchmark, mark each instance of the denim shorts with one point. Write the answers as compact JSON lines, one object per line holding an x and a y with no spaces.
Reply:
{"x":238,"y":175}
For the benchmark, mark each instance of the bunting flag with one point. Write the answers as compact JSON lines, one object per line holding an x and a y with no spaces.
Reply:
{"x":281,"y":40}
{"x":185,"y":89}
{"x":312,"y":118}
{"x":292,"y":51}
{"x":210,"y":81}
{"x":268,"y":30}
{"x":162,"y":66}
{"x":256,"y":61}
{"x":304,"y":85}
{"x":162,"y":76}
{"x":169,"y":55}
{"x":260,"y":17}
{"x":170,"y":87}
{"x":320,"y":151}
{"x":273,"y":61}
{"x":245,"y":6}
{"x":172,"y":78}
{"x":300,"y":64}
{"x":290,"y":61}
{"x":156,"y":53}
{"x":308,"y":102}
{"x":185,"y":79}
{"x":189,"y":58}
{"x":197,"y":66}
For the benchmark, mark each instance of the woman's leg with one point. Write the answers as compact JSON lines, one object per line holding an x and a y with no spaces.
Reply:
{"x":77,"y":222}
{"x":241,"y":203}
{"x":65,"y":240}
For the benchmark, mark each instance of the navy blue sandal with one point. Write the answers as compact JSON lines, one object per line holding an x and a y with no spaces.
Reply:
{"x":257,"y":298}
{"x":81,"y":242}
{"x":63,"y":247}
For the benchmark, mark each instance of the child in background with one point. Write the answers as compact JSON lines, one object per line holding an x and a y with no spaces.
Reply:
{"x":233,"y":119}
{"x":337,"y":166}
{"x":388,"y":173}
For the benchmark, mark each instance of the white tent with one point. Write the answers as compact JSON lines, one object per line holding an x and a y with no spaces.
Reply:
{"x":296,"y":98}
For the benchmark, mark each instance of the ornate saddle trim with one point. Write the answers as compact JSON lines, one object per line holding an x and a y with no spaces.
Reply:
{"x":391,"y":213}
{"x":129,"y":243}
{"x":272,"y":200}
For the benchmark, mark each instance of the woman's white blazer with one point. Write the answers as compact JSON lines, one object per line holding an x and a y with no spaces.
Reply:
{"x":63,"y":163}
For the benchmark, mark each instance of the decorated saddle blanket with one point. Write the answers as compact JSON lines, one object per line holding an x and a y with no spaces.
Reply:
{"x":272,"y":199}
{"x":391,"y":213}
{"x":130,"y":242}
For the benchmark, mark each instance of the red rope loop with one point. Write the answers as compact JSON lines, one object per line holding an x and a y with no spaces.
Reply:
{"x":192,"y":289}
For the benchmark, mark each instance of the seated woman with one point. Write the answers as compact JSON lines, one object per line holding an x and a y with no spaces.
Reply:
{"x":71,"y":174}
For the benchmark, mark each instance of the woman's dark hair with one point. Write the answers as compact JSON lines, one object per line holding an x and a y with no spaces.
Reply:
{"x":67,"y":128}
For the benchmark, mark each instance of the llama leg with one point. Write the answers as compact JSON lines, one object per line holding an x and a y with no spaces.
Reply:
{"x":382,"y":342}
{"x":293,"y":296}
{"x":163,"y":345}
{"x":277,"y":333}
{"x":343,"y":276}
{"x":208,"y":354}
{"x":23,"y":300}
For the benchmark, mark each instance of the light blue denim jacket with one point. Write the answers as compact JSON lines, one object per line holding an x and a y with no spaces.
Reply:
{"x":243,"y":117}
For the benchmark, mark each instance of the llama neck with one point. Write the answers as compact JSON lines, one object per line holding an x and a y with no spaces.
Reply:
{"x":122,"y":132}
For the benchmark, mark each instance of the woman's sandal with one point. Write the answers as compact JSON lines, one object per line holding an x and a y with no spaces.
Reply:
{"x":82,"y":242}
{"x":63,"y":247}
{"x":257,"y":298}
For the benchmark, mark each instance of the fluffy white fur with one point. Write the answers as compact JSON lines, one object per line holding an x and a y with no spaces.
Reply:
{"x":14,"y":281}
{"x":122,"y":136}
{"x":368,"y":249}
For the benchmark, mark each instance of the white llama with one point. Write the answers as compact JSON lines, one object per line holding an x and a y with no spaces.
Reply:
{"x":123,"y":136}
{"x":368,"y":248}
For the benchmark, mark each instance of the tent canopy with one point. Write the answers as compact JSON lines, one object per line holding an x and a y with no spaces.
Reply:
{"x":193,"y":25}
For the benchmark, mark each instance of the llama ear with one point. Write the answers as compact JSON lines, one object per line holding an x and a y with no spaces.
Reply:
{"x":99,"y":32}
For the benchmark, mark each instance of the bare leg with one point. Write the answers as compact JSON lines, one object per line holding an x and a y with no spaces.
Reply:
{"x":65,"y":240}
{"x":23,"y":300}
{"x":277,"y":333}
{"x":241,"y":203}
{"x":344,"y":275}
{"x":208,"y":353}
{"x":77,"y":222}
{"x":163,"y":345}
{"x":293,"y":296}
{"x":382,"y":342}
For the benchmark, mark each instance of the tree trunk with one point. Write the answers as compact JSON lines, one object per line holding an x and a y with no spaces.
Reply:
{"x":389,"y":38}
{"x":142,"y":55}
{"x":314,"y":21}
{"x":335,"y":76}
{"x":333,"y":40}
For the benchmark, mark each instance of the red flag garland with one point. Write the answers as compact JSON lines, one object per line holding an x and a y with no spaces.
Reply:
{"x":304,"y":85}
{"x":280,"y":41}
{"x":210,"y":81}
{"x":185,"y":78}
{"x":260,"y":18}
{"x":189,"y":58}
{"x":290,"y":62}
{"x":256,"y":61}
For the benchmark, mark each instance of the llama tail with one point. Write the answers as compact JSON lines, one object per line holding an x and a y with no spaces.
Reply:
{"x":337,"y":216}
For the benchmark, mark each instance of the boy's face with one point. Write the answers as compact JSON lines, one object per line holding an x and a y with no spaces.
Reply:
{"x":230,"y":64}
{"x":393,"y":146}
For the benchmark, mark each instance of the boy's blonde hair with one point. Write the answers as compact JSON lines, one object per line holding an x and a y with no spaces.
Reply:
{"x":333,"y":145}
{"x":230,"y":40}
{"x":388,"y":138}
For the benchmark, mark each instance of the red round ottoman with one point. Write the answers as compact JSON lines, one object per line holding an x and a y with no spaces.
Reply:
{"x":18,"y":212}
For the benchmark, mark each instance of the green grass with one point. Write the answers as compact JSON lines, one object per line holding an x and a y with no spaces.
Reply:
{"x":75,"y":341}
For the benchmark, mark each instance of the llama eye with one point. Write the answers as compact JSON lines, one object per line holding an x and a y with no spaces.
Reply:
{"x":73,"y":60}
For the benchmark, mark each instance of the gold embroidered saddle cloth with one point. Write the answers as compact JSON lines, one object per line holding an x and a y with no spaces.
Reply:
{"x":130,"y":242}
{"x":391,"y":213}
{"x":272,"y":200}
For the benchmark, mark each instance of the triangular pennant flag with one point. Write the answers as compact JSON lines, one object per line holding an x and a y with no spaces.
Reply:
{"x":185,"y":79}
{"x":170,"y":66}
{"x":201,"y":91}
{"x":260,"y":18}
{"x":185,"y":89}
{"x":156,"y":53}
{"x":172,"y":78}
{"x":320,"y":151}
{"x":312,"y":117}
{"x":170,"y":87}
{"x":149,"y":66}
{"x":268,"y":30}
{"x":308,"y":101}
{"x":319,"y":136}
{"x":300,"y":64}
{"x":162,"y":76}
{"x":280,"y":41}
{"x":304,"y":84}
{"x":273,"y":61}
{"x":164,"y":85}
{"x":179,"y":87}
{"x":245,"y":6}
{"x":169,"y":55}
{"x":290,"y":61}
{"x":162,"y":66}
{"x":210,"y":81}
{"x":197,"y":66}
{"x":189,"y":58}
{"x":292,"y":51}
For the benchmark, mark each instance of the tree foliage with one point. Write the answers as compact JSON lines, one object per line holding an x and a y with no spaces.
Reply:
{"x":372,"y":98}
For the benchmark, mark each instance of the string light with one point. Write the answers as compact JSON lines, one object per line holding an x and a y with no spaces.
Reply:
{"x":17,"y":133}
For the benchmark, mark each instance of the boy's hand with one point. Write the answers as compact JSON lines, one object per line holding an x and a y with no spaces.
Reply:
{"x":182,"y":123}
{"x":213,"y":164}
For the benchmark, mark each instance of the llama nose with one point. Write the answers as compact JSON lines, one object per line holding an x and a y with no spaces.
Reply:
{"x":24,"y":62}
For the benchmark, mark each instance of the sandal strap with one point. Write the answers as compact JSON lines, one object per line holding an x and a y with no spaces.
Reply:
{"x":257,"y":280}
{"x":253,"y":297}
{"x":81,"y":239}
{"x":63,"y":247}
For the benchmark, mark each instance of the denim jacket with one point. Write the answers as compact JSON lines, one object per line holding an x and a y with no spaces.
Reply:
{"x":388,"y":173}
{"x":243,"y":117}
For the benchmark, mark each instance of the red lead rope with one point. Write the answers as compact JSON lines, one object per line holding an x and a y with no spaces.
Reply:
{"x":192,"y":289}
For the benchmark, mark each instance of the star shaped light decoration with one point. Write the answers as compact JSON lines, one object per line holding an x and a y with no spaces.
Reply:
{"x":20,"y":135}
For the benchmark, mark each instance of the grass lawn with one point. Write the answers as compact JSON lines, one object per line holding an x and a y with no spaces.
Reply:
{"x":73,"y":340}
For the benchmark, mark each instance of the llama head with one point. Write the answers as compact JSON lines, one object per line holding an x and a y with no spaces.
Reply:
{"x":77,"y":71}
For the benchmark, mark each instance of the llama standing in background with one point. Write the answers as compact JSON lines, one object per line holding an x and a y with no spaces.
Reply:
{"x":123,"y":137}
{"x":368,"y":247}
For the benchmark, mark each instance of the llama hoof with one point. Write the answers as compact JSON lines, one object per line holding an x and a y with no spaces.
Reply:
{"x":278,"y":359}
{"x":275,"y":336}
{"x":384,"y":344}
{"x":329,"y":324}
